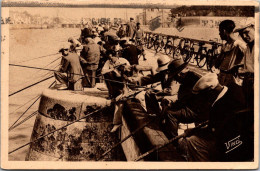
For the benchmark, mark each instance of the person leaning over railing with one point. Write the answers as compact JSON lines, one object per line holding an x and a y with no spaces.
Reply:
{"x":121,"y":33}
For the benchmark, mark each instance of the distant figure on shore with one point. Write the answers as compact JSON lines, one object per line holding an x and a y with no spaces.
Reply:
{"x":130,"y":28}
{"x":138,"y":37}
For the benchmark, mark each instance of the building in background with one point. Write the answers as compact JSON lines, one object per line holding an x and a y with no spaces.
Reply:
{"x":149,"y":14}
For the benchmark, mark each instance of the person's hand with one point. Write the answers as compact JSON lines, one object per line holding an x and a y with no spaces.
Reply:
{"x":60,"y":69}
{"x":167,"y":90}
{"x":133,"y":80}
{"x":188,"y":132}
{"x":168,"y":100}
{"x":117,"y":73}
{"x":153,"y":91}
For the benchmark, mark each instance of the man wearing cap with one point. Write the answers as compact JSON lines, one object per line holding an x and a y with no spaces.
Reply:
{"x":85,"y":33}
{"x":184,"y":107}
{"x":111,"y":34}
{"x":231,"y":54}
{"x":130,"y":28}
{"x":228,"y":136}
{"x":99,"y":28}
{"x":90,"y":56}
{"x":177,"y":105}
{"x":70,"y":74}
{"x":96,"y":38}
{"x":246,"y":31}
{"x":75,"y":45}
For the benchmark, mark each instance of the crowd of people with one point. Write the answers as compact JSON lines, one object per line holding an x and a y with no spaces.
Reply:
{"x":224,"y":99}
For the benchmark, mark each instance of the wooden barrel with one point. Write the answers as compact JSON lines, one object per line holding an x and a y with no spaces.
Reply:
{"x":84,"y":140}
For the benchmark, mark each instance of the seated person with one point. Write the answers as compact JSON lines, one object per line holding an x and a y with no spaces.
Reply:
{"x":112,"y":71}
{"x":169,"y":85}
{"x":229,"y":136}
{"x":69,"y":75}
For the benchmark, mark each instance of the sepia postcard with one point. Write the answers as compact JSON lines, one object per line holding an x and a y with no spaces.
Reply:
{"x":129,"y":84}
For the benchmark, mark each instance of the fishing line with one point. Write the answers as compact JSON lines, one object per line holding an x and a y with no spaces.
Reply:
{"x":38,"y":57}
{"x":43,"y":75}
{"x":28,"y":108}
{"x":77,"y":74}
{"x":30,"y":86}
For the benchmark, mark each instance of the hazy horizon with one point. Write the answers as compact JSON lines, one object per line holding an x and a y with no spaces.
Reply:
{"x":78,"y":13}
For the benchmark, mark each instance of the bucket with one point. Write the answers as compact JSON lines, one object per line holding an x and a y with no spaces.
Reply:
{"x":84,"y":140}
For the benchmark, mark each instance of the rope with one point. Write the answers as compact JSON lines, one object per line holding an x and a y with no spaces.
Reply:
{"x":55,"y":131}
{"x":169,"y":142}
{"x":38,"y":57}
{"x":28,"y":109}
{"x":30,"y":86}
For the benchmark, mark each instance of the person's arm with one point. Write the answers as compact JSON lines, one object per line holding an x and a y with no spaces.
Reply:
{"x":149,"y":79}
{"x":144,"y":68}
{"x":134,"y":34}
{"x":107,"y":68}
{"x":219,"y":59}
{"x":82,"y":60}
{"x":241,"y":44}
{"x":64,"y":65}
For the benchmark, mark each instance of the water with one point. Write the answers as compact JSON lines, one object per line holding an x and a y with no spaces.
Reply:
{"x":26,"y":44}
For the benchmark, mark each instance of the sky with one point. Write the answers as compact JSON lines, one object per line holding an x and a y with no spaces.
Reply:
{"x":78,"y":13}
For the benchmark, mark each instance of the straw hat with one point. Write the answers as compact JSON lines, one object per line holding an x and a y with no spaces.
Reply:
{"x":163,"y":62}
{"x":209,"y":80}
{"x":176,"y":66}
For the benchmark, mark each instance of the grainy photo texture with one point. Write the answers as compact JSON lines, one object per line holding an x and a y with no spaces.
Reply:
{"x":147,"y":83}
